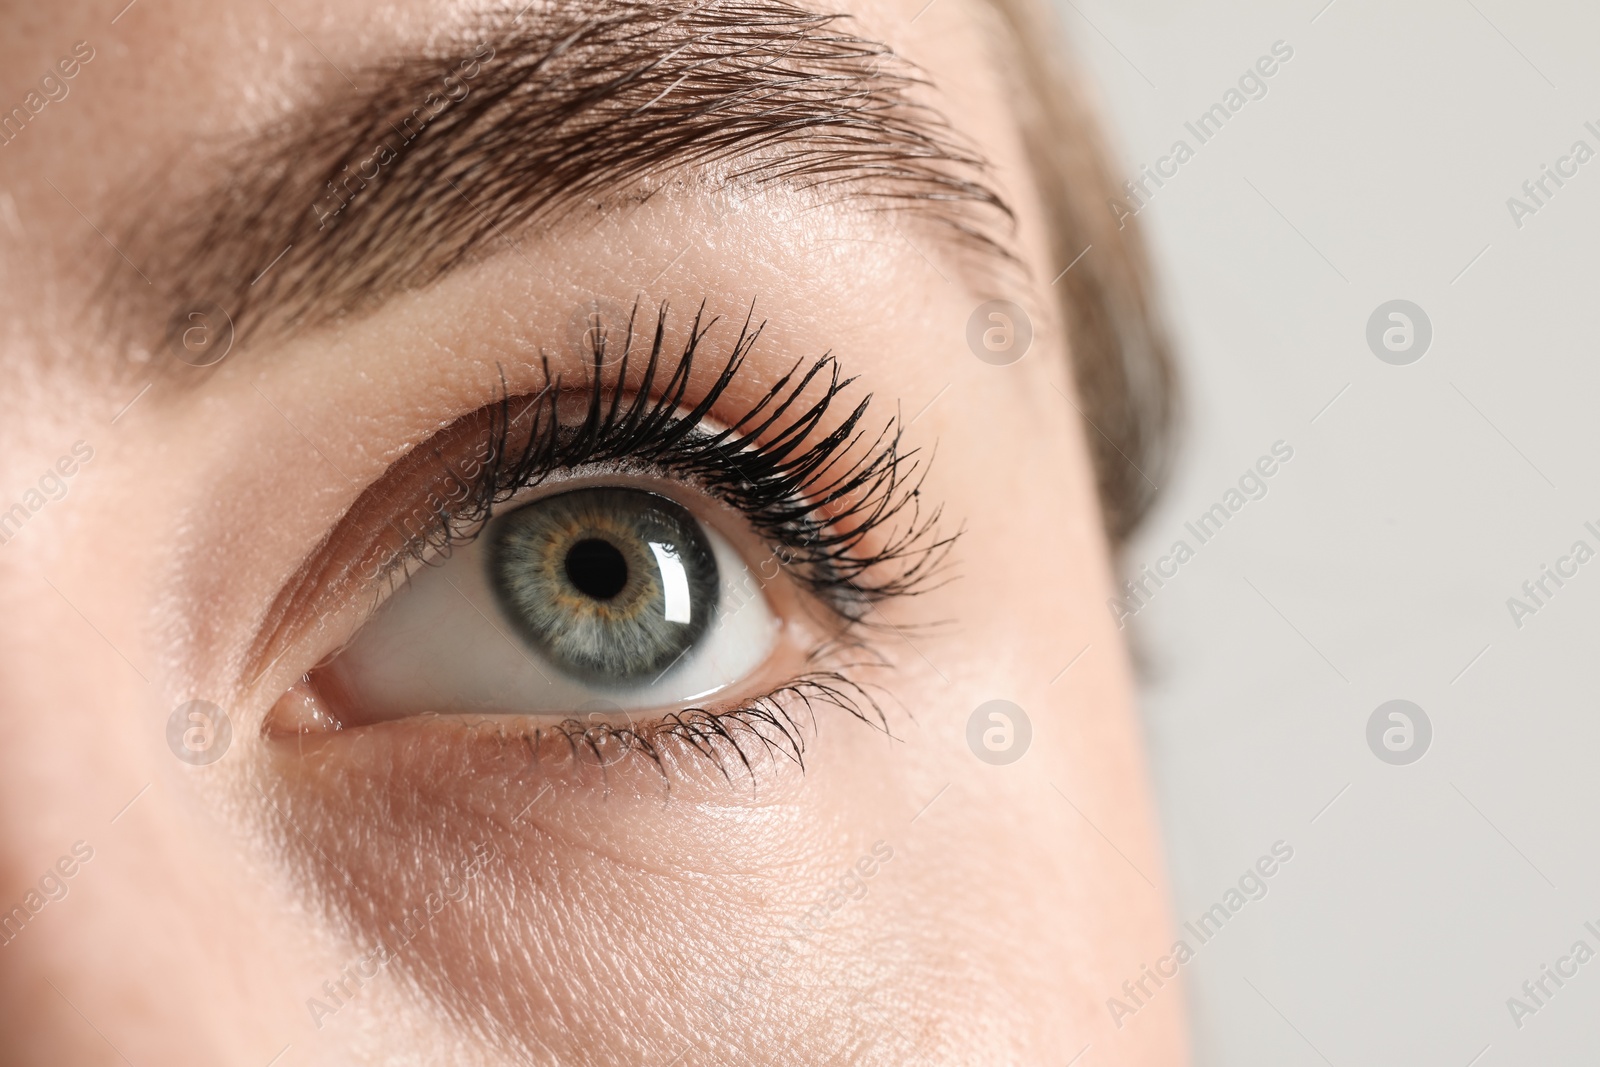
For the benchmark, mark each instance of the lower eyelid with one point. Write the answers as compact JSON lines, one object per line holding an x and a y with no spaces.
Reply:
{"x":750,"y":738}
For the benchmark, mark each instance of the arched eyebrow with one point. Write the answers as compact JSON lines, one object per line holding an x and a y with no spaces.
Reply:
{"x":414,"y":165}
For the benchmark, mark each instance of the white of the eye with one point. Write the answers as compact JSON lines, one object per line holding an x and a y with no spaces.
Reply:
{"x":442,"y":644}
{"x":674,"y":582}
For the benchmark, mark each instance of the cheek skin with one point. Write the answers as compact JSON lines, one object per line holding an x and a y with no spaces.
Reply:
{"x":1031,"y":838}
{"x":615,"y":912}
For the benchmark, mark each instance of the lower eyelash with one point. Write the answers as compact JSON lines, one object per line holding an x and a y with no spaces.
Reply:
{"x":818,"y":505}
{"x":730,"y":739}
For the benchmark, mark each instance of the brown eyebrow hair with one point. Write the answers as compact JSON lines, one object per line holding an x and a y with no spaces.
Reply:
{"x":448,"y":152}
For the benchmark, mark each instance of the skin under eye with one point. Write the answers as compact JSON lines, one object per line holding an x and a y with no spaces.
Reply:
{"x":597,"y":598}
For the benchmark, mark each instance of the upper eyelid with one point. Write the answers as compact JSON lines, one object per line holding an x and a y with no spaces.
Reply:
{"x":764,"y":463}
{"x":850,"y":480}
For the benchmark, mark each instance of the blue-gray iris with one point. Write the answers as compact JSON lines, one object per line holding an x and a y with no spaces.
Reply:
{"x":613,"y":585}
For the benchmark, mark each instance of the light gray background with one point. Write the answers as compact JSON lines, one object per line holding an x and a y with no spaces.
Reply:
{"x":1379,"y":565}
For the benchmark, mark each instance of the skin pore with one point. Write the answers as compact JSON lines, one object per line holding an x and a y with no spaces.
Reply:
{"x":468,"y":889}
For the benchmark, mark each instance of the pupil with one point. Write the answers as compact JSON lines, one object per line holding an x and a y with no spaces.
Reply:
{"x":596,"y":568}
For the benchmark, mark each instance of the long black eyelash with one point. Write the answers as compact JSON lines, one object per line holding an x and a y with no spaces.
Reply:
{"x":816,"y":504}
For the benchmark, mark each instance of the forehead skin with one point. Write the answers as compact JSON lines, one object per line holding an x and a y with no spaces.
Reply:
{"x":613,"y":922}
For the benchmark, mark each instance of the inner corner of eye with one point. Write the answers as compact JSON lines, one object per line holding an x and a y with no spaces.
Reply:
{"x":604,"y":598}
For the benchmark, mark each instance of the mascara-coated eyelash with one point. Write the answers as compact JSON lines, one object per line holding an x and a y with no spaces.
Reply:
{"x":817,"y":504}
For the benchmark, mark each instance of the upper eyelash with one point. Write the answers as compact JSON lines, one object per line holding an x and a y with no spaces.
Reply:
{"x":815,"y":505}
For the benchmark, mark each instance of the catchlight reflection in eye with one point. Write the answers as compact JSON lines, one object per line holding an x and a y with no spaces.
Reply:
{"x":605,"y":593}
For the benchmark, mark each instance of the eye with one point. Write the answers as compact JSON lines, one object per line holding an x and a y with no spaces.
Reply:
{"x":602,"y":597}
{"x":582,"y":552}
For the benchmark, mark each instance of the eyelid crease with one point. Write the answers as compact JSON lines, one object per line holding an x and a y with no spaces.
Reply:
{"x":841,"y":513}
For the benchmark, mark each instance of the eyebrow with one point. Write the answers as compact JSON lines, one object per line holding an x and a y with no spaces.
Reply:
{"x":441,"y":155}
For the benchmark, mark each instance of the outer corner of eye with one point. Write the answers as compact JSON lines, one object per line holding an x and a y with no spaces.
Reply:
{"x":601,"y":597}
